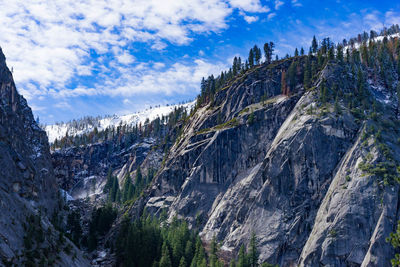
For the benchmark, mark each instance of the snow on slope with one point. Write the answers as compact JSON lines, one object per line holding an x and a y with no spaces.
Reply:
{"x":376,"y":39}
{"x":57,"y":131}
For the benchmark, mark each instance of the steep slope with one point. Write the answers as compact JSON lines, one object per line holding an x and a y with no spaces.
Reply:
{"x":29,"y":193}
{"x":82,"y":171}
{"x":287,"y":168}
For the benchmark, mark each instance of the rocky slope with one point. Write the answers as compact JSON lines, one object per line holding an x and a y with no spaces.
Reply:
{"x":82,"y":171}
{"x":29,"y":194}
{"x":289,"y":168}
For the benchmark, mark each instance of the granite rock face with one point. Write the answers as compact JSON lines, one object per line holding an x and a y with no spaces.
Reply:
{"x":285,"y":168}
{"x":82,"y":171}
{"x":28,"y":187}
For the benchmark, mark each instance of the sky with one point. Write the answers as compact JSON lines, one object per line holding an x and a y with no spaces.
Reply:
{"x":102,"y":57}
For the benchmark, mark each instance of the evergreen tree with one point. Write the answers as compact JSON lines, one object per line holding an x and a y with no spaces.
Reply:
{"x":253,"y":252}
{"x":296,"y":52}
{"x":364,"y":55}
{"x":302,"y":51}
{"x":324,"y":92}
{"x":307,"y":73}
{"x":165,"y":260}
{"x":251,"y":58}
{"x":114,"y":195}
{"x":235,"y":66}
{"x":242,"y":258}
{"x":74,"y":227}
{"x":314,"y":45}
{"x":268,"y":50}
{"x":110,"y":181}
{"x":339,"y":54}
{"x":257,"y":54}
{"x":347,"y":55}
{"x":331,"y":53}
{"x":292,"y":75}
{"x":182,"y":262}
{"x":127,"y":192}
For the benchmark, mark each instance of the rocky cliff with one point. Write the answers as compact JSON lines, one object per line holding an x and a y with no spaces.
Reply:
{"x":29,"y":194}
{"x":297,"y":169}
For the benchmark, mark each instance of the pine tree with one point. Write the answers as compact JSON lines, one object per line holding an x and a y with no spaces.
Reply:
{"x":165,"y":260}
{"x":127,"y":192}
{"x":257,"y":54}
{"x":182,"y":262}
{"x":267,"y":53}
{"x":339,"y":54}
{"x":331,"y":53}
{"x":292,"y":75}
{"x":251,"y":58}
{"x":364,"y":55}
{"x":307,"y":73}
{"x":242,"y":258}
{"x":347,"y":55}
{"x":296,"y":52}
{"x":324,"y":92}
{"x":360,"y":85}
{"x":302,"y":51}
{"x":253,"y":252}
{"x":235,"y":66}
{"x":114,"y":192}
{"x":283,"y":83}
{"x":314,"y":45}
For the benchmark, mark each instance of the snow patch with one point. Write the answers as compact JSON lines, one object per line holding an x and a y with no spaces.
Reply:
{"x":57,"y":131}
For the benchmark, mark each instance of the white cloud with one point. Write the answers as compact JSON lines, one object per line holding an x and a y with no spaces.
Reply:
{"x":278,"y":4}
{"x":296,"y":3}
{"x":271,"y":15}
{"x":84,"y":70}
{"x":48,"y":43}
{"x":179,"y":78}
{"x":158,"y":65}
{"x":125,"y":58}
{"x":250,"y":19}
{"x":158,"y":45}
{"x":249,"y":5}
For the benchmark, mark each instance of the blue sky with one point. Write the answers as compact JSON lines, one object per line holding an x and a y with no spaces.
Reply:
{"x":86,"y":57}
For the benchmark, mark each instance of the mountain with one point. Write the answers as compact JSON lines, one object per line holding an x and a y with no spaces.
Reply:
{"x":29,"y":194}
{"x":312,"y":172}
{"x":297,"y":159}
{"x":88,"y":124}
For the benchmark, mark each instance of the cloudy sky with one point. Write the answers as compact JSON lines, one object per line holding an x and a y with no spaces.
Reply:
{"x":97,"y":57}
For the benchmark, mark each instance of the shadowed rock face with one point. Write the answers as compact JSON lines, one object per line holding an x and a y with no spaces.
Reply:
{"x":27,"y":183}
{"x":82,"y":171}
{"x":291,"y":175}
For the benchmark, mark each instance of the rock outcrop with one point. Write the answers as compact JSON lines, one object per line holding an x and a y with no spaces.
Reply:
{"x":29,"y":194}
{"x":286,"y":168}
{"x":82,"y":171}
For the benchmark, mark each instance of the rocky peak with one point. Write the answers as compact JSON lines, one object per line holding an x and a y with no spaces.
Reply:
{"x":29,"y":194}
